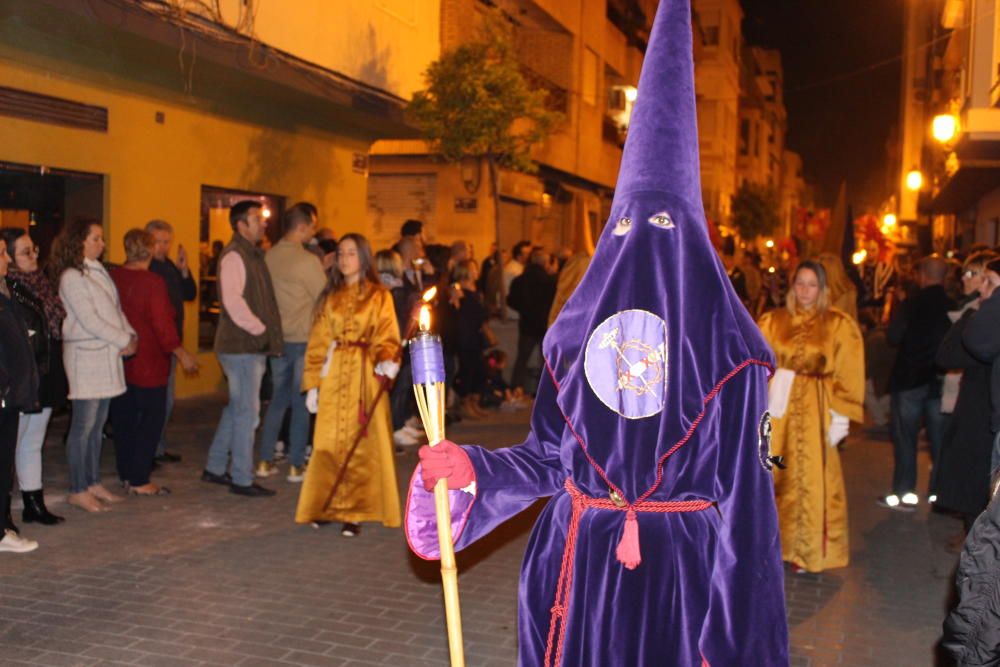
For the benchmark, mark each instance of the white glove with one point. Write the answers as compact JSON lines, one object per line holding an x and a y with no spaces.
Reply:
{"x":387,"y":369}
{"x":329,"y":357}
{"x":312,"y":401}
{"x":839,"y":427}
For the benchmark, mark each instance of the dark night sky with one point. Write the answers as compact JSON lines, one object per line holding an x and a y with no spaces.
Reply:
{"x":841,"y":128}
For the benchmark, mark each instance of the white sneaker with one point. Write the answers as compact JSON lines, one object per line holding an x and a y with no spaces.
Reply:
{"x":403,"y":439}
{"x":14,"y":543}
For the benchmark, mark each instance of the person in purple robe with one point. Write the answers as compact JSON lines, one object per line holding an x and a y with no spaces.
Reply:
{"x":660,"y":543}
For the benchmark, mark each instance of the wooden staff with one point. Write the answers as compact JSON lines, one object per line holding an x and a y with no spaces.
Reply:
{"x":429,"y":387}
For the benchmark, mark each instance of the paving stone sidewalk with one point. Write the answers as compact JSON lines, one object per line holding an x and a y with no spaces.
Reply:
{"x":203,"y":577}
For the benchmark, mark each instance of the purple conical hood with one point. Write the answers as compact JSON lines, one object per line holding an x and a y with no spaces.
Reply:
{"x":654,"y":325}
{"x":661,"y":152}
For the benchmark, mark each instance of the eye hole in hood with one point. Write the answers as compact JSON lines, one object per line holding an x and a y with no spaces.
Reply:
{"x":622,"y":227}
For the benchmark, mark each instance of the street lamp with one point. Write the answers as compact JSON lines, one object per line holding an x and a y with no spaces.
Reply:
{"x":944,"y":127}
{"x":914,"y":180}
{"x":769,"y":243}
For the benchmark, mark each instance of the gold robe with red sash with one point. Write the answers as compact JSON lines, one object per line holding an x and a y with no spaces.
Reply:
{"x":362,"y":321}
{"x":826,"y":352}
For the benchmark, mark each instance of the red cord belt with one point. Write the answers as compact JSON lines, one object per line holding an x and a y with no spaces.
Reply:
{"x":363,"y":345}
{"x":627,"y":552}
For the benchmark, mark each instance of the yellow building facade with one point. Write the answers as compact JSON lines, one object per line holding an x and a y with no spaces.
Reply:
{"x":578,"y":52}
{"x":148,"y":115}
{"x":717,"y":83}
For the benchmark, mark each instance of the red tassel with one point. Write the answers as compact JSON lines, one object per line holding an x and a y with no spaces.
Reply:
{"x":628,"y":549}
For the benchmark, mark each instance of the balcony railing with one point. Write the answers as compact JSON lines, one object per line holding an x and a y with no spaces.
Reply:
{"x":557,"y":97}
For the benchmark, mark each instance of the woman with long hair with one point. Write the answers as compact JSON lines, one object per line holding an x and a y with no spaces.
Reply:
{"x":96,"y":336}
{"x":817,"y":390}
{"x":40,"y":306}
{"x":19,"y":393}
{"x":353,"y":347}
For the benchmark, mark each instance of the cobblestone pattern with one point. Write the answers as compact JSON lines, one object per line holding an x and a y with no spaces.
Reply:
{"x":204,"y":577}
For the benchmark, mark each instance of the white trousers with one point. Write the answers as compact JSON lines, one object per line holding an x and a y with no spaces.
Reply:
{"x":28,"y":458}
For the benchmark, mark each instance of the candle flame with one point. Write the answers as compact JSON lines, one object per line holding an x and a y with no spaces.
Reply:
{"x":429,"y":295}
{"x":424,"y":320}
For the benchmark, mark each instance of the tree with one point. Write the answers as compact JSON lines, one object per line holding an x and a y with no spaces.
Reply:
{"x":755,"y":211}
{"x":477,"y":103}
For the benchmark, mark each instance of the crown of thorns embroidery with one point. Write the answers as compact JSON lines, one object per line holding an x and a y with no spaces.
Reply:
{"x":639,"y":365}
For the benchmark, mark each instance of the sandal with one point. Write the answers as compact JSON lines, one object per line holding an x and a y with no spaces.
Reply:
{"x":139,"y":490}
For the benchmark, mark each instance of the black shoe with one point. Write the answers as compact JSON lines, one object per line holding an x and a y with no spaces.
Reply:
{"x":35,"y":510}
{"x":168,"y":457}
{"x":350,"y":529}
{"x":254,"y":490}
{"x":223,"y":479}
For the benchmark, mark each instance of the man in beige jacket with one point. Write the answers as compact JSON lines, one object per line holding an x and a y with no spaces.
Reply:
{"x":298,"y":279}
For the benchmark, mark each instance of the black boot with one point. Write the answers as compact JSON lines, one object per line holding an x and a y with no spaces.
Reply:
{"x":35,"y":510}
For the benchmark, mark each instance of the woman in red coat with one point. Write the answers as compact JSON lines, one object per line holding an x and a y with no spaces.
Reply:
{"x":138,"y":414}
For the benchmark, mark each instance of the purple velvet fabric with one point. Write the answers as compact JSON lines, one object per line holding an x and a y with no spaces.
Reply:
{"x":652,"y":351}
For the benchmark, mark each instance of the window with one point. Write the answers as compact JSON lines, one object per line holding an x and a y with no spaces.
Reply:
{"x":710,"y":27}
{"x":588,"y":85}
{"x":745,"y":136}
{"x":707,"y":114}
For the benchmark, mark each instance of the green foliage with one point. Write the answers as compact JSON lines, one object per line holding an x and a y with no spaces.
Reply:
{"x":755,"y":211}
{"x":478,"y":103}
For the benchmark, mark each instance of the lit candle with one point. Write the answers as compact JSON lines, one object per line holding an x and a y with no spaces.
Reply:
{"x":426,"y":353}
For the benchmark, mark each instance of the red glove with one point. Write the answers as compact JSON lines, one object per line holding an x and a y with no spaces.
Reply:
{"x":445,"y":460}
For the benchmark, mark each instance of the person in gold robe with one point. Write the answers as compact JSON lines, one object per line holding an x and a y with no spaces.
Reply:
{"x":353,"y":347}
{"x":816,"y":391}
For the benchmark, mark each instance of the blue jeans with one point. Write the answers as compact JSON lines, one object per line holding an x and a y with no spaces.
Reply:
{"x":286,"y":378}
{"x":83,"y":443}
{"x":234,"y":435}
{"x":161,"y":446}
{"x":909,"y":407}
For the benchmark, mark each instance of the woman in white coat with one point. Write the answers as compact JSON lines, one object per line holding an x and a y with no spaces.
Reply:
{"x":96,"y":335}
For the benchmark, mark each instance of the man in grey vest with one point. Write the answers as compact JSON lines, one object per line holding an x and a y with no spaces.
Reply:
{"x":249,"y":330}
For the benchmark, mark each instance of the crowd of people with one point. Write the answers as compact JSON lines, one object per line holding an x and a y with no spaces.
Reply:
{"x":319,"y":326}
{"x":320,"y":322}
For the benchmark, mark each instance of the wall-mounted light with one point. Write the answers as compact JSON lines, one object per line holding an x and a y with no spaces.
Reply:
{"x":914,"y":180}
{"x":944,"y":127}
{"x":769,"y":243}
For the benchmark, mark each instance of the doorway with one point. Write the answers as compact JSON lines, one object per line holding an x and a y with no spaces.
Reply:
{"x":40,"y":199}
{"x":215,"y":233}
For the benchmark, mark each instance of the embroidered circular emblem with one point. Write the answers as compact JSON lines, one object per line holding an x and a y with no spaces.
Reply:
{"x":764,"y":441}
{"x":626,"y":363}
